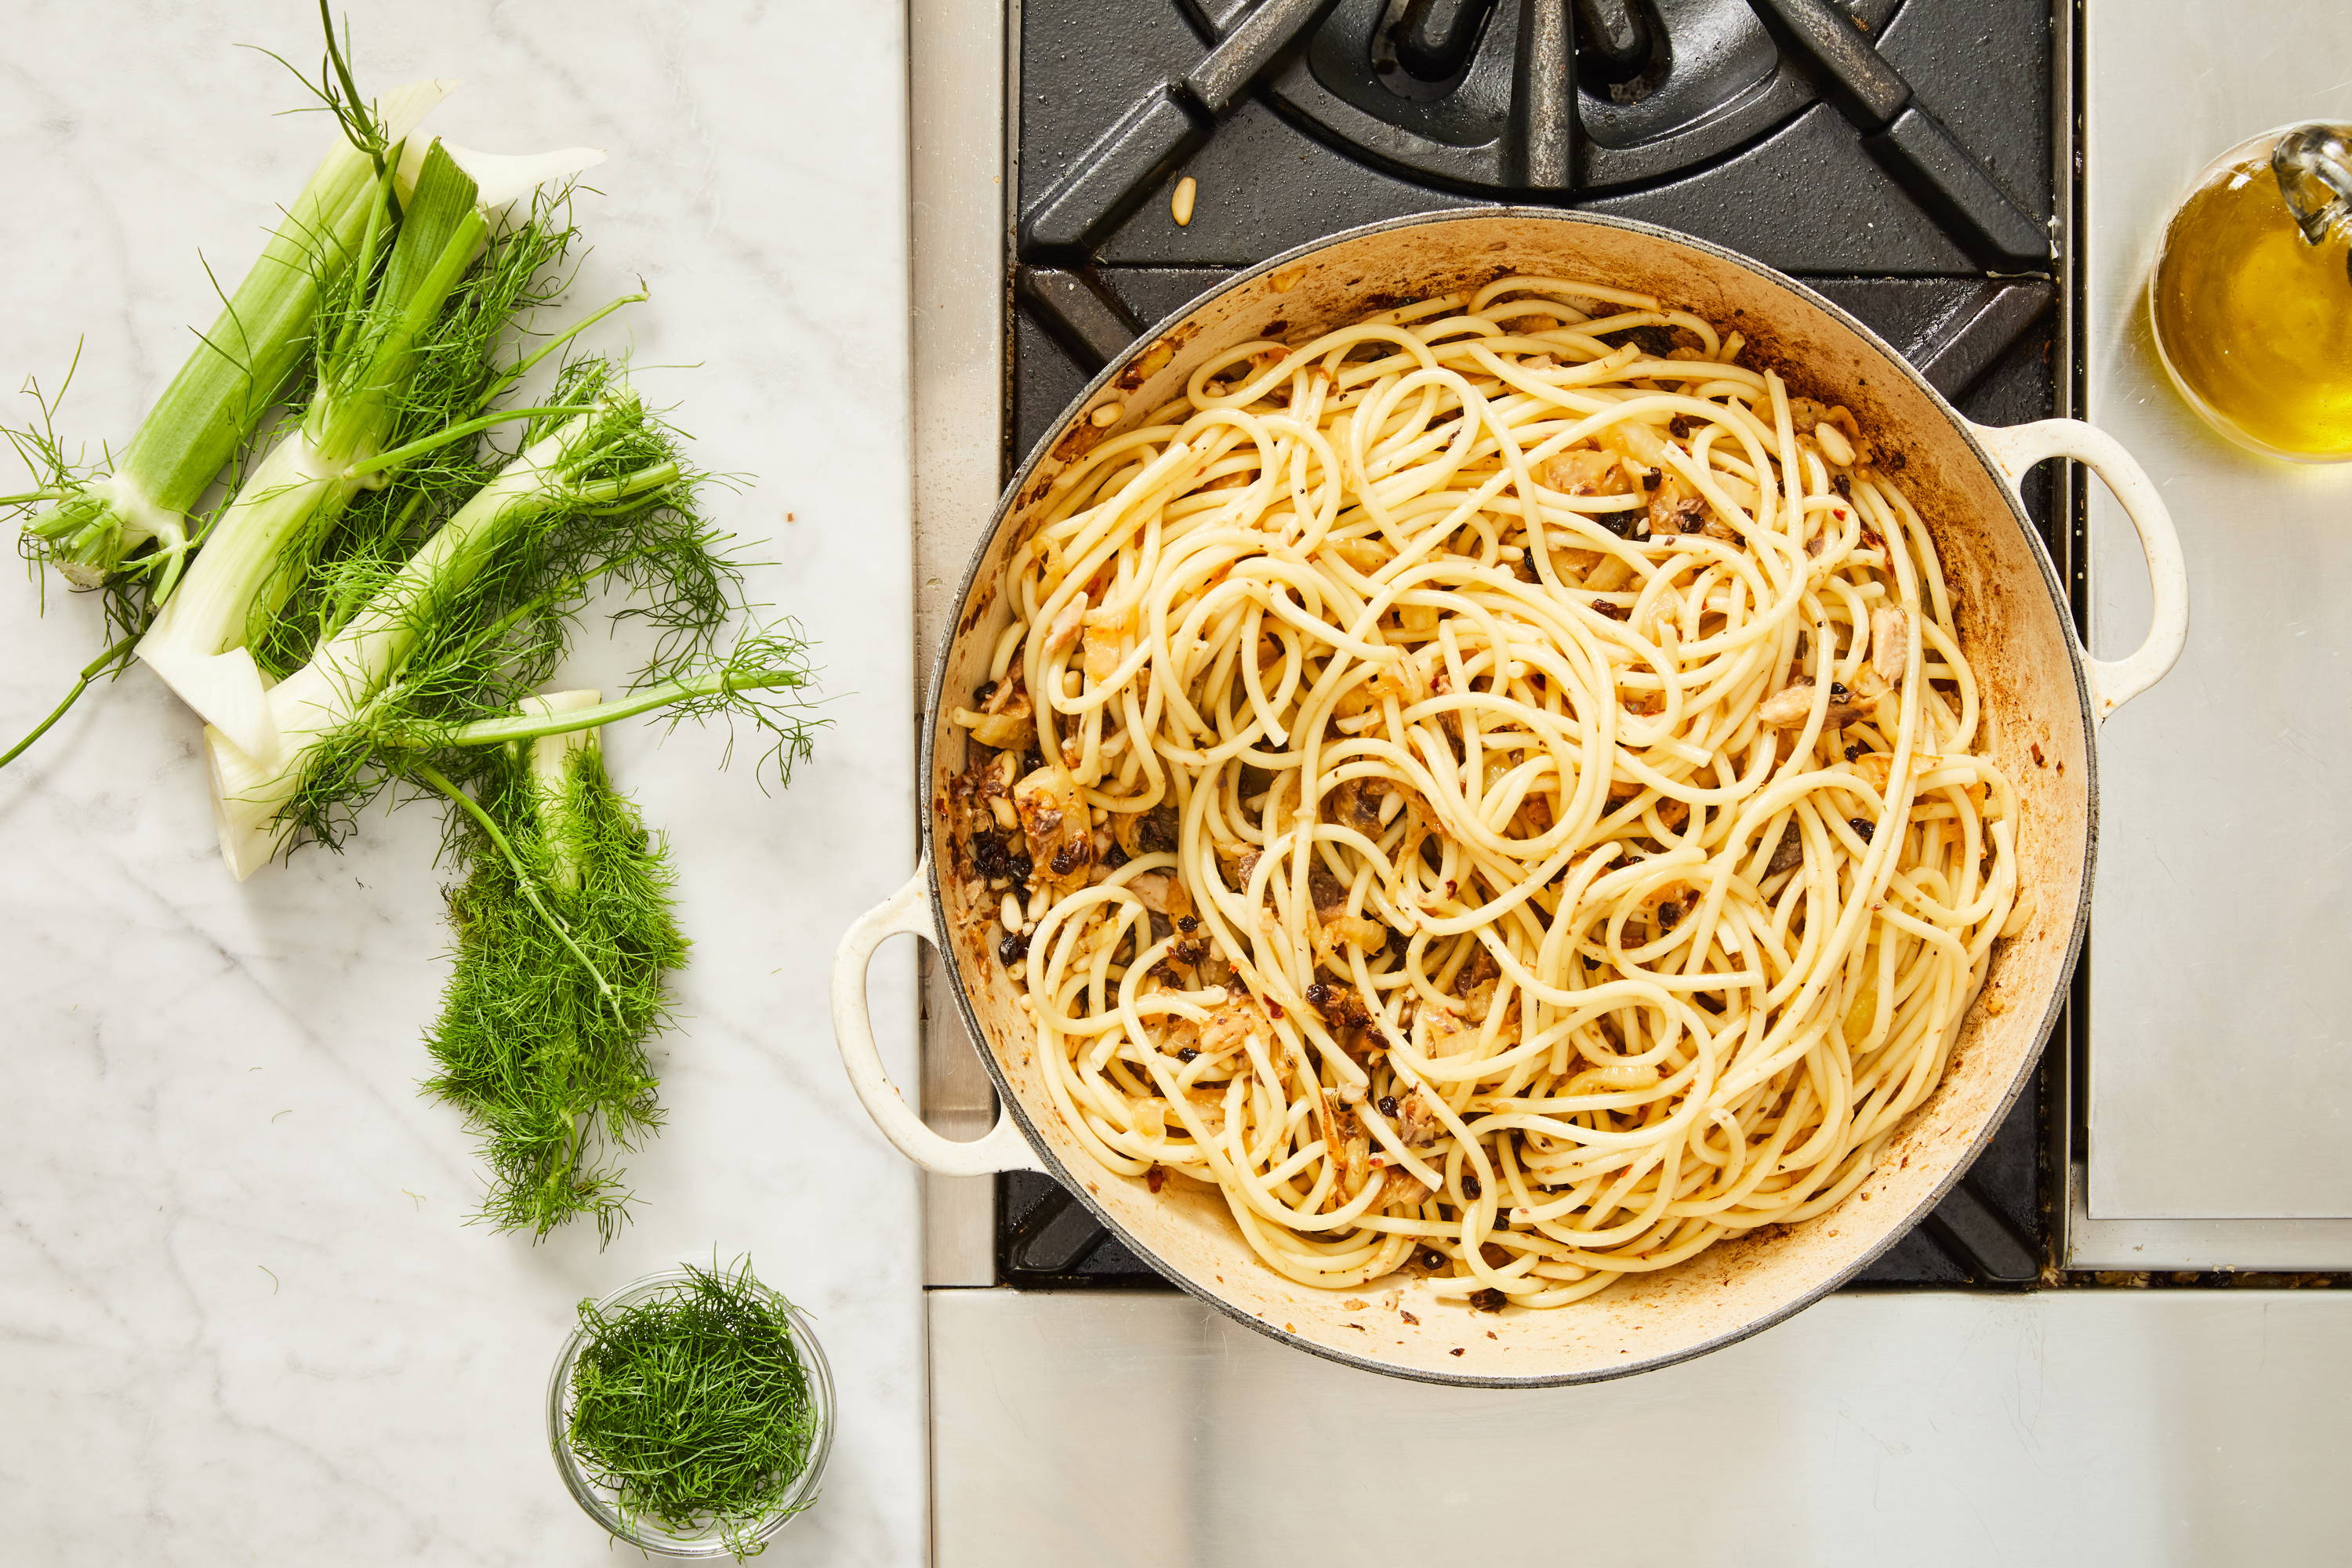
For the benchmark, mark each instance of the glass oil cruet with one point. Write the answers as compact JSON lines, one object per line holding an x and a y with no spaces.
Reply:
{"x":2251,"y":301}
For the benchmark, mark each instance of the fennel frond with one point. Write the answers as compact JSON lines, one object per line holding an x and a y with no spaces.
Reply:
{"x":563,"y":932}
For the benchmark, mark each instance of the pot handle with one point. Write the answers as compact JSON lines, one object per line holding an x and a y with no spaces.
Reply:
{"x":907,"y":912}
{"x":2017,"y":447}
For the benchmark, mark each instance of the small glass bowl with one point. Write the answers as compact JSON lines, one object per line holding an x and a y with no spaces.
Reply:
{"x":645,"y":1534}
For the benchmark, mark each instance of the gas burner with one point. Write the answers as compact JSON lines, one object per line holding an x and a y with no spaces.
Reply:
{"x":1544,"y":100}
{"x":1480,"y":93}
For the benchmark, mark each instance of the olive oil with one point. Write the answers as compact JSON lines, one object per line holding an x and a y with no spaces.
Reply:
{"x":2252,"y":300}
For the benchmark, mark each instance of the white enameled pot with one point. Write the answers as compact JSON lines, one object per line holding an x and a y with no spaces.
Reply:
{"x":2044,"y":696}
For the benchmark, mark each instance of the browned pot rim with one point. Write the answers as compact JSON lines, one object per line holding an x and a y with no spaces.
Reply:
{"x":1960,"y":426}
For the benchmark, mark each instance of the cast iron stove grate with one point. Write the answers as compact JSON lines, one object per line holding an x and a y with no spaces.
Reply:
{"x":1895,"y":155}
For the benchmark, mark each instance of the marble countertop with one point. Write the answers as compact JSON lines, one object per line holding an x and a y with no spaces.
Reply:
{"x":242,"y":1316}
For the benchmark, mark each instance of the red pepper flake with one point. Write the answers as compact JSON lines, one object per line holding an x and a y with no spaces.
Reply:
{"x":1273,"y":1009}
{"x":1455,"y":1351}
{"x":1155,"y":1178}
{"x":1408,"y":1317}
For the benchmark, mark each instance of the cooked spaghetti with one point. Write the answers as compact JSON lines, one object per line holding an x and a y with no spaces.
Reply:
{"x":1494,"y":791}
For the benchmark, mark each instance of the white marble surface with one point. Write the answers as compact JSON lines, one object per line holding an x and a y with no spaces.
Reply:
{"x":241,"y":1316}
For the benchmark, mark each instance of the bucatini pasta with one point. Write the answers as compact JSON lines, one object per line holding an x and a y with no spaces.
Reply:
{"x":1494,"y":790}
